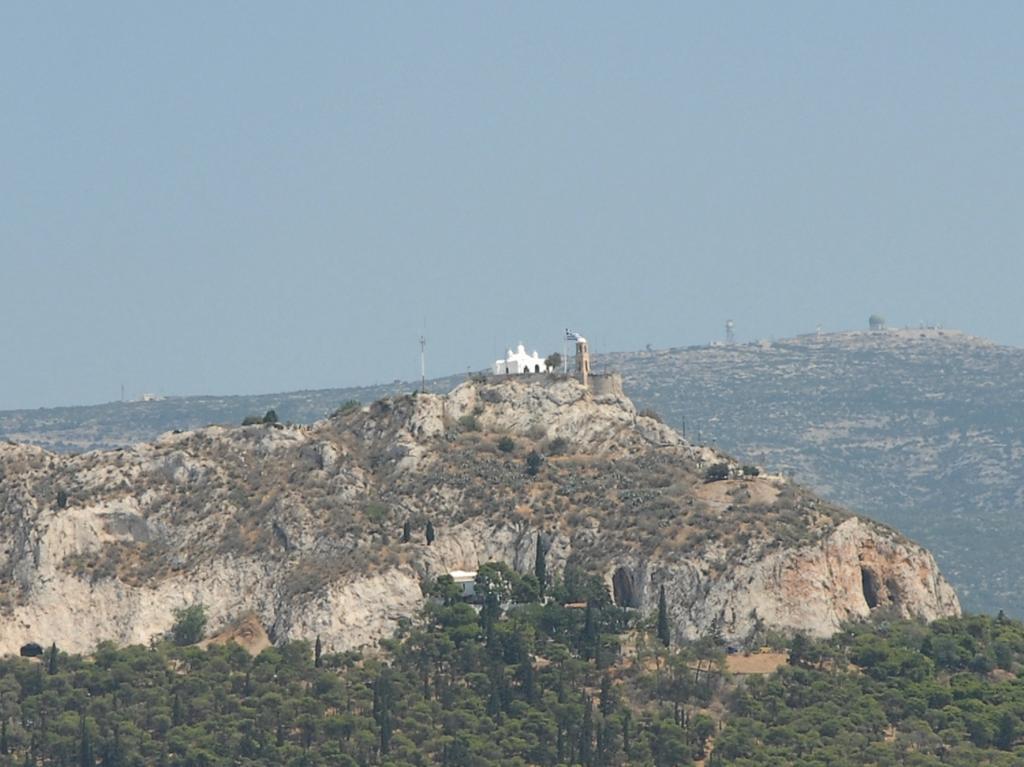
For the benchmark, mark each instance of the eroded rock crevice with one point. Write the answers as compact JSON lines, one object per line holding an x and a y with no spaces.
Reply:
{"x":624,"y":588}
{"x":869,"y":585}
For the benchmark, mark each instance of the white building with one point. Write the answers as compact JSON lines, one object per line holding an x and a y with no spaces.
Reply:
{"x":519,"y":361}
{"x":465,"y":580}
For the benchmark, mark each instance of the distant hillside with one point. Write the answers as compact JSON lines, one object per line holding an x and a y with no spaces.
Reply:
{"x":923,"y":430}
{"x":119,"y":424}
{"x":919,"y":429}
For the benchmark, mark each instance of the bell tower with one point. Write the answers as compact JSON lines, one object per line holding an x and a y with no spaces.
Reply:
{"x":583,"y":361}
{"x":582,"y":356}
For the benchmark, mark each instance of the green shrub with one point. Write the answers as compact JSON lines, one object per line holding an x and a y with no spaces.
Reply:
{"x":533,"y":462}
{"x":506,"y":444}
{"x":468,"y":422}
{"x":348,"y":406}
{"x":558,"y":446}
{"x":189,"y":624}
{"x":716,"y":472}
{"x":648,"y":413}
{"x":376,"y":512}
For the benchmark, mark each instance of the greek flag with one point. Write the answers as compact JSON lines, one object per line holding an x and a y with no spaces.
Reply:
{"x":571,"y":335}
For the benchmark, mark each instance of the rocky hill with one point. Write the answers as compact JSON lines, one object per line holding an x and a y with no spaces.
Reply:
{"x":301,"y":526}
{"x":920,"y":429}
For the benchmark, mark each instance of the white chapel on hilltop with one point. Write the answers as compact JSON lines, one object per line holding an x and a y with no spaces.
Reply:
{"x":519,"y":361}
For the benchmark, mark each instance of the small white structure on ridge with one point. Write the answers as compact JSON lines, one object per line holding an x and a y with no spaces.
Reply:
{"x":519,"y":361}
{"x":465,"y":580}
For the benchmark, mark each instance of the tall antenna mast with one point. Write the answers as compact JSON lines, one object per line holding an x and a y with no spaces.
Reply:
{"x":423,"y":363}
{"x":730,"y":332}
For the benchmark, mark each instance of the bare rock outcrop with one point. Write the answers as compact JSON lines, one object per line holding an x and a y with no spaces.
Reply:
{"x":299,"y":528}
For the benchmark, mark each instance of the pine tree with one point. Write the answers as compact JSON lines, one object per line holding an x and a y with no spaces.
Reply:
{"x":407,"y":531}
{"x":540,"y":566}
{"x":664,"y":633}
{"x":318,"y":649}
{"x":430,"y":532}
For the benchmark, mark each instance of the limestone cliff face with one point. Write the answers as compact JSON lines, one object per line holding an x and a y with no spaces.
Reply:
{"x":301,"y":526}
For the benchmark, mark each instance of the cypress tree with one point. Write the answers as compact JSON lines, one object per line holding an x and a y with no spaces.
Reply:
{"x":494,"y":705}
{"x":430,"y":532}
{"x":407,"y":531}
{"x":627,"y":720}
{"x":586,"y":753}
{"x":382,"y":703}
{"x":385,"y":732}
{"x":177,"y":715}
{"x":112,"y":752}
{"x":664,"y":633}
{"x":85,"y":754}
{"x":591,"y":637}
{"x":602,"y":752}
{"x":318,"y":649}
{"x":456,"y":753}
{"x":540,"y":566}
{"x":527,"y":678}
{"x":488,"y":617}
{"x":607,"y":699}
{"x":51,"y":660}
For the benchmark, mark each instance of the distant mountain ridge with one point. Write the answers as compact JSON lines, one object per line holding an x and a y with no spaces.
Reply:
{"x":921,"y":429}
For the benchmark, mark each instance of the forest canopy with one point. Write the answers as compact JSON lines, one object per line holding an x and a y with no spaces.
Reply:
{"x":530,"y":683}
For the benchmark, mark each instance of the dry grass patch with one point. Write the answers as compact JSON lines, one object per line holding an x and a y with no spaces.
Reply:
{"x":757,"y":663}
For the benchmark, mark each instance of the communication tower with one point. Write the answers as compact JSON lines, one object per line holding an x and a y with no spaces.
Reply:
{"x":730,"y":335}
{"x":423,"y":363}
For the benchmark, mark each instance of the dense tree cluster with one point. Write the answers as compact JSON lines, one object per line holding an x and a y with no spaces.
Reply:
{"x":502,"y":683}
{"x":516,"y":680}
{"x":899,"y":693}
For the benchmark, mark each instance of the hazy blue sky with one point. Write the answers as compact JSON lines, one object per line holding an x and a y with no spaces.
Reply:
{"x":246,"y":197}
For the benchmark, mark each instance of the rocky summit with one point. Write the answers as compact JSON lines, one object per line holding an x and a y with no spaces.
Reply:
{"x":301,"y":528}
